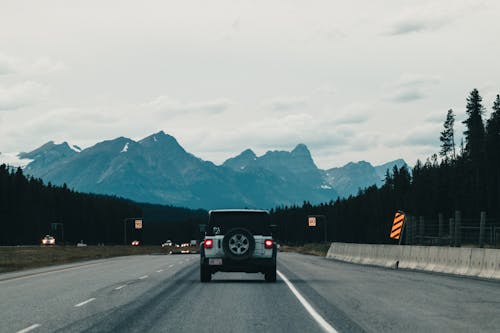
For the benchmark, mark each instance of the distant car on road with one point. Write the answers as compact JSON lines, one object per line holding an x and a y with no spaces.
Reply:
{"x":135,"y":243}
{"x":167,"y":243}
{"x":48,"y":240}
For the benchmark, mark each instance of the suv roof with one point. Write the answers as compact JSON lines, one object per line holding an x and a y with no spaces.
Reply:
{"x":256,"y":221}
{"x":237,"y":211}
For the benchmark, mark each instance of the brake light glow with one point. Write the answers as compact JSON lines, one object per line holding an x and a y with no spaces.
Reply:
{"x":268,"y":244}
{"x":208,"y":244}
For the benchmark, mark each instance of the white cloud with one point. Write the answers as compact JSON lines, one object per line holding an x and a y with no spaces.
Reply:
{"x":430,"y":16}
{"x":286,"y":103}
{"x":22,"y":94}
{"x":33,"y":67}
{"x":171,"y":105}
{"x":411,"y":87}
{"x":7,"y":65}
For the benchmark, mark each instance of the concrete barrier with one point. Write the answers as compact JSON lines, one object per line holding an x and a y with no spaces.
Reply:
{"x":484,"y":263}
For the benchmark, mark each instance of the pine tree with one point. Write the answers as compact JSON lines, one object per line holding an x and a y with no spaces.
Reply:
{"x":447,"y":137}
{"x":474,"y":133}
{"x":493,"y":132}
{"x":493,"y":156}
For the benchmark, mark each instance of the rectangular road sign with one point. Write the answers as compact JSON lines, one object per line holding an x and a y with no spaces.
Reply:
{"x":397,"y":225}
{"x":311,"y":221}
{"x":138,"y":224}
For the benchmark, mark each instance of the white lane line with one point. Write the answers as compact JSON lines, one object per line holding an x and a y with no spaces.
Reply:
{"x":143,"y":277}
{"x":316,"y":316}
{"x":84,"y":302}
{"x":159,"y":271}
{"x":171,"y":266}
{"x":31,"y":275}
{"x":120,"y":287}
{"x":30,"y":328}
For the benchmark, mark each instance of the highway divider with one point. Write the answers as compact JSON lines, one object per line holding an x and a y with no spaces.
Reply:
{"x":476,"y":262}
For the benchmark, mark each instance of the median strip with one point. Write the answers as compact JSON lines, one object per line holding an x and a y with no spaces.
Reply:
{"x":30,"y":328}
{"x":84,"y":302}
{"x":314,"y":314}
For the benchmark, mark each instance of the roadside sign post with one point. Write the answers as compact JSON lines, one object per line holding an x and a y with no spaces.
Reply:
{"x":397,"y":226}
{"x":313,"y":221}
{"x":137,"y":226}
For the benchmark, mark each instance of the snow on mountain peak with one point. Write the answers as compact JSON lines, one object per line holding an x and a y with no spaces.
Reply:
{"x":125,"y":148}
{"x":14,"y":160}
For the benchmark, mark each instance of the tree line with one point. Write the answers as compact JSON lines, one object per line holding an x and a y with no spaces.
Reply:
{"x":30,"y":209}
{"x":464,"y":176}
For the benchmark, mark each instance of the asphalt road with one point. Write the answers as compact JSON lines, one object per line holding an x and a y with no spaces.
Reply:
{"x":162,"y":293}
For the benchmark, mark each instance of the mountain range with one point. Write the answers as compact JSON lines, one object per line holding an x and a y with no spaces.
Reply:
{"x":157,"y":169}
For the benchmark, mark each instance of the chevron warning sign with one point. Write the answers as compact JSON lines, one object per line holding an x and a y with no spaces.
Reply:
{"x":397,"y":225}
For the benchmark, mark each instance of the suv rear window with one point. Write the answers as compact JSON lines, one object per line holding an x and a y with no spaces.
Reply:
{"x":256,"y":222}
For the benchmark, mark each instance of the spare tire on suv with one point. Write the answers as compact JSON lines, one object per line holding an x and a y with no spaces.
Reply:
{"x":238,"y":244}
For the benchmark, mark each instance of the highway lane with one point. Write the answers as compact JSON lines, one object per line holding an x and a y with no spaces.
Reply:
{"x":163,"y":293}
{"x":386,"y":300}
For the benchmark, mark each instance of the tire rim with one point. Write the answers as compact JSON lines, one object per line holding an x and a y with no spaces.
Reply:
{"x":239,"y":244}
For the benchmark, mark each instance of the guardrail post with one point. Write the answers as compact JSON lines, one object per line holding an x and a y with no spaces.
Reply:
{"x":414,"y":230}
{"x":440,"y":228}
{"x":482,"y":225}
{"x":421,"y":229}
{"x":407,"y":230}
{"x":458,"y":230}
{"x":452,"y":232}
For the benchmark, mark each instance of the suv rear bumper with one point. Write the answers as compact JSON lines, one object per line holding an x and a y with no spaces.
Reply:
{"x":252,"y":265}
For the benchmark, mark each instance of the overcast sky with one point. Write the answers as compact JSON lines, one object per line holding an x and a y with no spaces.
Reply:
{"x":353,"y":80}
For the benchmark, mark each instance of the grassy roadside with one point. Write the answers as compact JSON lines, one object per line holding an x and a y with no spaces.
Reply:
{"x":317,"y":249}
{"x":18,"y":258}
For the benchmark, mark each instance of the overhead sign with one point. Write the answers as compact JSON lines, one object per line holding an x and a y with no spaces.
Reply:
{"x":138,"y":224}
{"x":311,"y":221}
{"x":397,"y":225}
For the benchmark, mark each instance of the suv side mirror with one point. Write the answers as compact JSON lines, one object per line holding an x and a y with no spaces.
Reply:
{"x":203,"y":227}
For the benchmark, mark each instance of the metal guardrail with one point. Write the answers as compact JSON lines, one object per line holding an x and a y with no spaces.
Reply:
{"x":454,"y":231}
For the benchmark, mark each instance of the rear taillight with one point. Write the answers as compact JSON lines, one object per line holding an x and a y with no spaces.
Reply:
{"x":208,"y":244}
{"x":268,"y":244}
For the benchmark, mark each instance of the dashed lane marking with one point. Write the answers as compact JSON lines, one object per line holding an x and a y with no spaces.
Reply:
{"x":316,"y":316}
{"x":84,"y":302}
{"x":120,"y":287}
{"x":159,"y":271}
{"x":30,"y":328}
{"x":143,"y":277}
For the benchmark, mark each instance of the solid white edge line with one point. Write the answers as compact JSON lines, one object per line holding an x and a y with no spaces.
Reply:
{"x":316,"y":316}
{"x":30,"y":328}
{"x":48,"y":272}
{"x":120,"y":287}
{"x":143,"y":277}
{"x":84,"y":302}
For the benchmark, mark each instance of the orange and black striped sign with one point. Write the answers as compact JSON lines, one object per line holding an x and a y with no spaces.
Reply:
{"x":397,"y":225}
